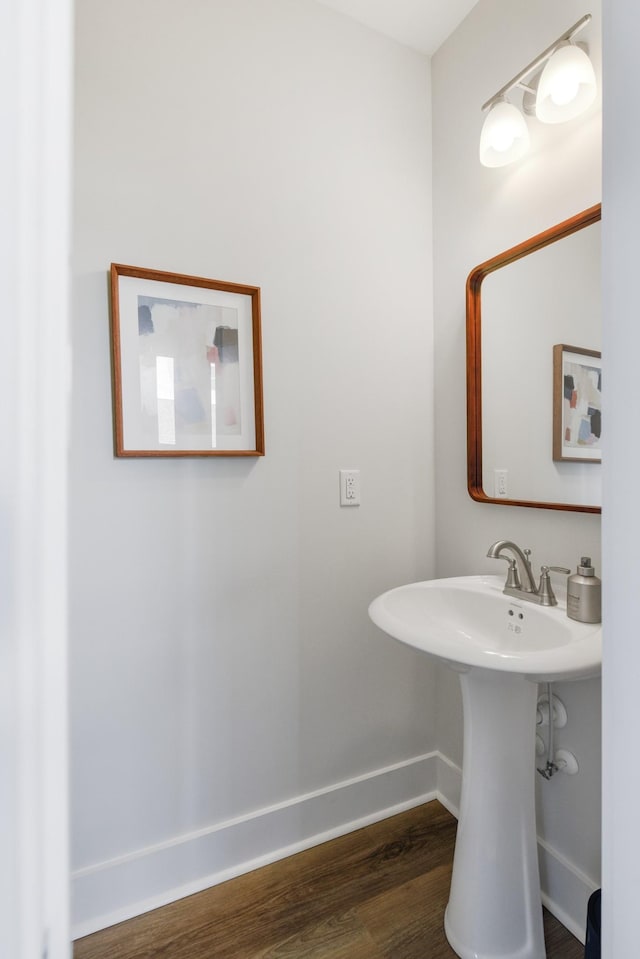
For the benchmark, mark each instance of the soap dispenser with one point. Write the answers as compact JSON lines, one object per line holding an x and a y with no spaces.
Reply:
{"x":584,"y":594}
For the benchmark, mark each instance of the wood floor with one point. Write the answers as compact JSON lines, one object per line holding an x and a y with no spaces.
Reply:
{"x":379,"y":893}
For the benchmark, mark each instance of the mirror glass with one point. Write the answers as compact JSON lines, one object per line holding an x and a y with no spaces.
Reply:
{"x":520,"y":305}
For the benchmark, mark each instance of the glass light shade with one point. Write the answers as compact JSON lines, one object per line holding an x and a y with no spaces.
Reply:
{"x":505,"y":135}
{"x":567,"y":85}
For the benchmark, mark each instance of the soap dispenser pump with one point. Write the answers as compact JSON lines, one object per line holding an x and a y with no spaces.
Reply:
{"x":584,"y":594}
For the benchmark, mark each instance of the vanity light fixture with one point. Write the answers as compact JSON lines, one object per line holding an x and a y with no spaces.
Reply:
{"x":567,"y":85}
{"x":558,"y":85}
{"x":505,"y":135}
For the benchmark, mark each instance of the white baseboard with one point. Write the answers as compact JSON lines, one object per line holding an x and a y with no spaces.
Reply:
{"x":110,"y":892}
{"x":449,"y":784}
{"x":565,"y":888}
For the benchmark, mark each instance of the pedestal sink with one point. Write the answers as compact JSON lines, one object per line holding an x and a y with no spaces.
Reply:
{"x":502,"y":647}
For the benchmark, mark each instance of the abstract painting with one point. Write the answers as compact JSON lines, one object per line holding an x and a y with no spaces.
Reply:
{"x":577,"y":404}
{"x":186,"y":365}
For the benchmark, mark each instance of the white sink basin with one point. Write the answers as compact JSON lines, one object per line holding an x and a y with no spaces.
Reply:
{"x":468,"y":620}
{"x":501,"y":646}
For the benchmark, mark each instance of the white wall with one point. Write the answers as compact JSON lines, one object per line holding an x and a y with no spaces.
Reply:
{"x":479,"y":212}
{"x":222,"y":660}
{"x":621,"y":527}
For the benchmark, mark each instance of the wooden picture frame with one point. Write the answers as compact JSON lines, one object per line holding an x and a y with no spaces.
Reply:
{"x":187,"y":365}
{"x":577,"y":404}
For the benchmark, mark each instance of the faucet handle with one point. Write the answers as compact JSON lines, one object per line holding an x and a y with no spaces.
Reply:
{"x":545,"y":591}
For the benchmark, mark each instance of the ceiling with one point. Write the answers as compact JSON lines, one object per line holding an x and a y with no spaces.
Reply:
{"x":420,"y":24}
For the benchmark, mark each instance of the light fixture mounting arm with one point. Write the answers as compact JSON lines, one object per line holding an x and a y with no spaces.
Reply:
{"x":566,"y":37}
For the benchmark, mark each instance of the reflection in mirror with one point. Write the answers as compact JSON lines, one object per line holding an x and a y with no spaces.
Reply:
{"x":520,"y":305}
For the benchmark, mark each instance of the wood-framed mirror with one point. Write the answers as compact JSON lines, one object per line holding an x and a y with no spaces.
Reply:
{"x":521,"y":304}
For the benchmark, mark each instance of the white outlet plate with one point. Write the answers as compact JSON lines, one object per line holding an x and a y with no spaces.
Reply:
{"x":349,"y":487}
{"x":500,"y":488}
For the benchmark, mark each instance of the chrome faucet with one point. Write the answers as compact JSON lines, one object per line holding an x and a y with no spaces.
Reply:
{"x":520,"y":580}
{"x":524,"y":577}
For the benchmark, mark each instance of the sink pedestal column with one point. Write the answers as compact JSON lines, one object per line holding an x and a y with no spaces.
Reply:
{"x":495,"y":909}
